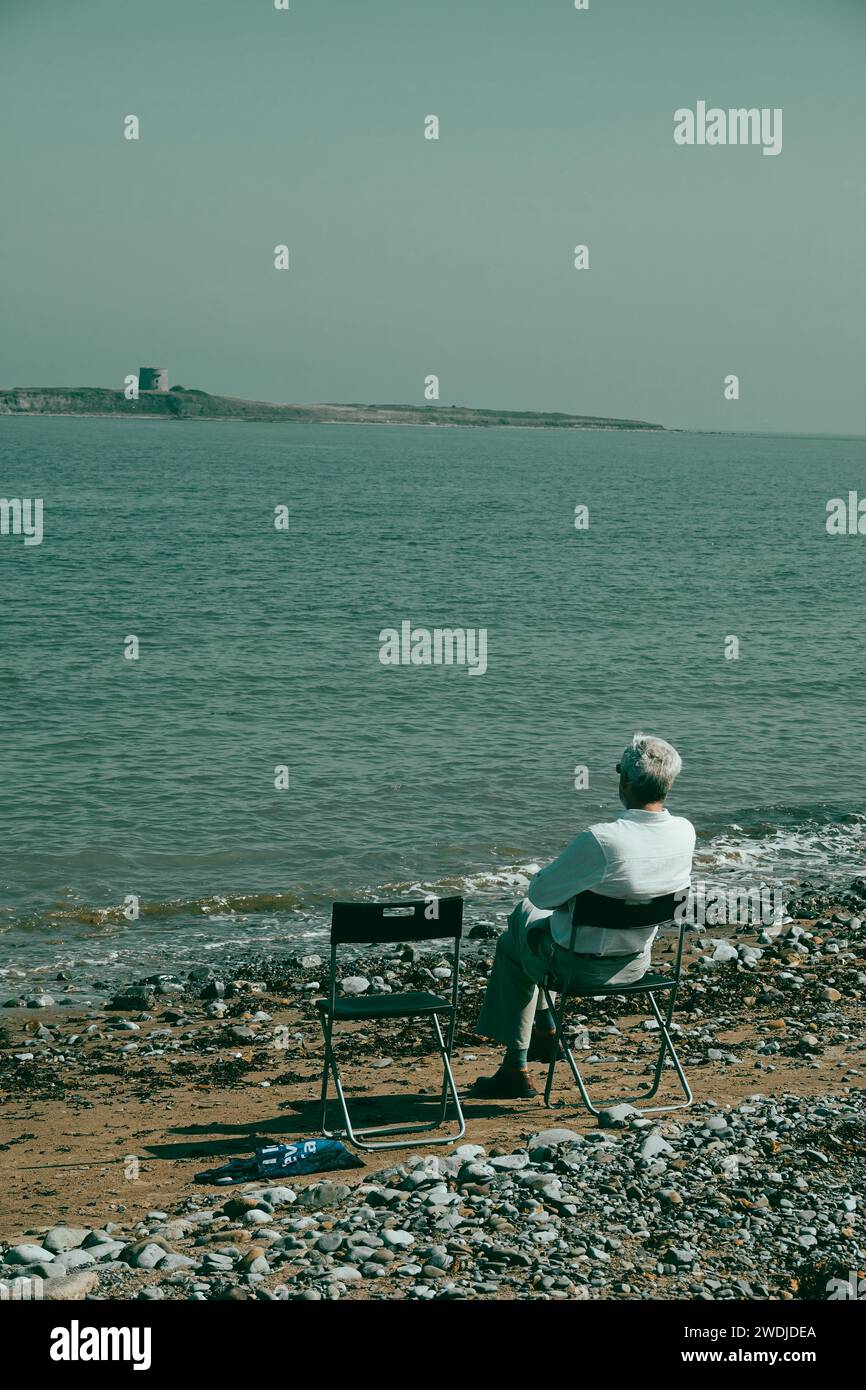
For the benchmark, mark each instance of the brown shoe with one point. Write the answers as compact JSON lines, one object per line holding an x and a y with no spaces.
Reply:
{"x":541,"y":1048}
{"x":508,"y":1083}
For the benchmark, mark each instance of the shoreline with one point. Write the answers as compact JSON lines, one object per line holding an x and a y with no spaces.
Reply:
{"x":186,"y":1073}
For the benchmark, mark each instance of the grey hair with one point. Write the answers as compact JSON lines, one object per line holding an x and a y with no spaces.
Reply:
{"x":651,"y":766}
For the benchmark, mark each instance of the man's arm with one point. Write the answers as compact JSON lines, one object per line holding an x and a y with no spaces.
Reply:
{"x":580,"y":866}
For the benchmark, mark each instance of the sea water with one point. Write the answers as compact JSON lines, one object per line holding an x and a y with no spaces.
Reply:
{"x":141,"y":824}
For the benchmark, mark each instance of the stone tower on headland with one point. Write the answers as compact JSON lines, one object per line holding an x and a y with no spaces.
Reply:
{"x":153,"y":378}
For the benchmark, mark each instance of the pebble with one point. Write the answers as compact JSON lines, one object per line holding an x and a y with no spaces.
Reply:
{"x":653,"y":1147}
{"x":66,"y":1238}
{"x":551,"y":1138}
{"x":615,"y":1116}
{"x":355,"y":984}
{"x":745,"y":1200}
{"x":724,"y":952}
{"x":469,"y":1151}
{"x":73,"y":1288}
{"x":27,"y":1254}
{"x":405,"y":1238}
{"x":149,"y":1257}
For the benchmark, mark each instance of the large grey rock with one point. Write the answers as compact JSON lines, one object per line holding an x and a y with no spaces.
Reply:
{"x":175,"y":1261}
{"x":27,"y":1254}
{"x":149,"y":1257}
{"x":76,"y":1286}
{"x":66,"y":1238}
{"x":75,"y":1259}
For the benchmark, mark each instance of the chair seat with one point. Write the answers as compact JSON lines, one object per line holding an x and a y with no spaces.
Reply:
{"x":639,"y":987}
{"x":386,"y":1005}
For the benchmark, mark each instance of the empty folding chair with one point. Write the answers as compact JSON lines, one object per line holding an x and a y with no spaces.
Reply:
{"x":376,"y":924}
{"x":593,"y":910}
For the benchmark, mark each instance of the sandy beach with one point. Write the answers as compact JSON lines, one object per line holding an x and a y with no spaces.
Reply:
{"x":185,"y":1074}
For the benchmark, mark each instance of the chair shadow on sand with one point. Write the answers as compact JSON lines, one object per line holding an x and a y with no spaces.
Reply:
{"x":220,"y":1139}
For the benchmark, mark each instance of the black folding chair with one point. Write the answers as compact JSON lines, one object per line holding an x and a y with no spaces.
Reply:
{"x":593,"y":910}
{"x":376,"y":924}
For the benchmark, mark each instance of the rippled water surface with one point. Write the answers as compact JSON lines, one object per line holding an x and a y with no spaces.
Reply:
{"x":259,"y":648}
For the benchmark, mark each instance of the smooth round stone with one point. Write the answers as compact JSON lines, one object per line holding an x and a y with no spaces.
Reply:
{"x":654,"y":1146}
{"x":476,"y":1172}
{"x":176,"y":1261}
{"x":615,"y":1116}
{"x":364,"y":1238}
{"x":355,"y":984}
{"x":104,"y":1249}
{"x":398,"y":1238}
{"x":149,"y":1257}
{"x":257,"y":1217}
{"x":549,"y":1138}
{"x":439,"y":1196}
{"x":345,"y":1274}
{"x":469,"y":1151}
{"x":509,"y":1162}
{"x":75,"y":1259}
{"x":66,"y":1238}
{"x":27,"y":1254}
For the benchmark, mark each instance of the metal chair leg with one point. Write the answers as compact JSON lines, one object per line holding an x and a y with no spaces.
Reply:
{"x":360,"y":1137}
{"x":325,"y":1069}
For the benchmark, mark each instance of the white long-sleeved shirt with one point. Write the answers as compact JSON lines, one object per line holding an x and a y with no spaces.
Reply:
{"x":640,"y":855}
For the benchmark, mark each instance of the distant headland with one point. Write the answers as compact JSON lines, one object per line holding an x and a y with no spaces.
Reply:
{"x":182,"y":403}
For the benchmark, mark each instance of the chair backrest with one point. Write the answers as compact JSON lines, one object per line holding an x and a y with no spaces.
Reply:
{"x":413,"y":919}
{"x":593,"y":910}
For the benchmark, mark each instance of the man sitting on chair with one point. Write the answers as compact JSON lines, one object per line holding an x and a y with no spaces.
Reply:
{"x":645,"y":853}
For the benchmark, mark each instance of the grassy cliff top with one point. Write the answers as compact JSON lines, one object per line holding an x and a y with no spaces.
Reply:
{"x":183,"y":403}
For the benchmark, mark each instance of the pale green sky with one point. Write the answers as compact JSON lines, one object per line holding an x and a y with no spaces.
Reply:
{"x":410,"y":256}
